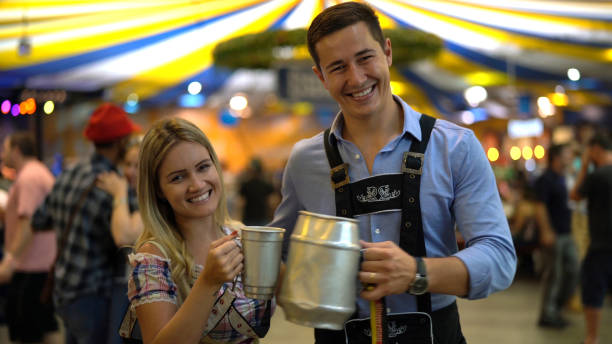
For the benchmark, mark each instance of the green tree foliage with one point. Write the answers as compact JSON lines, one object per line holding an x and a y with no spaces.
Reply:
{"x":257,"y":51}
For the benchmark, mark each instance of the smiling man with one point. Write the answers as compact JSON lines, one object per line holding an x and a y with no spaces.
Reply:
{"x":410,"y":180}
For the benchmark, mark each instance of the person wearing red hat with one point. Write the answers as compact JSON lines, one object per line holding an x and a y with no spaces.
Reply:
{"x":88,"y":262}
{"x":109,"y":123}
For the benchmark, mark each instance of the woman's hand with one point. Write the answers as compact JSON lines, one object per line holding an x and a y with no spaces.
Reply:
{"x":112,"y":183}
{"x":224,"y":261}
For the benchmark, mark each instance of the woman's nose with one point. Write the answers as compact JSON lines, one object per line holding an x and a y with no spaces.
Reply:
{"x":195,"y":184}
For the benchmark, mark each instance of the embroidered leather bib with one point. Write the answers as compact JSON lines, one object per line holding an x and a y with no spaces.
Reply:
{"x":381,"y":193}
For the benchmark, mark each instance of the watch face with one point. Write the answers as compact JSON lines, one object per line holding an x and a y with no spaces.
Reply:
{"x":419,"y":286}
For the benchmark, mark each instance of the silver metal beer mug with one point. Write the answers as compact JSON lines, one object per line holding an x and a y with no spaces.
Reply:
{"x":319,"y":284}
{"x":261,"y":247}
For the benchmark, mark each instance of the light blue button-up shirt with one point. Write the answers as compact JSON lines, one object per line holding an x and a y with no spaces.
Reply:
{"x":458,"y":188}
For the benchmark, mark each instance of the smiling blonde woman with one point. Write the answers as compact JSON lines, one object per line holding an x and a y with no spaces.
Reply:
{"x":184,"y":286}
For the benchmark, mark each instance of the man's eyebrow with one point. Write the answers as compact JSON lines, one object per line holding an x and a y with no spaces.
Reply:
{"x":338,"y":62}
{"x":364,"y":51}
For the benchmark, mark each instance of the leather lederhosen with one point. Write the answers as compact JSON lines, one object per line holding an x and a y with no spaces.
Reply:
{"x":392,"y":192}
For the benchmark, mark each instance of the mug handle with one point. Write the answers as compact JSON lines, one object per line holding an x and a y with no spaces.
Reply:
{"x":238,"y":241}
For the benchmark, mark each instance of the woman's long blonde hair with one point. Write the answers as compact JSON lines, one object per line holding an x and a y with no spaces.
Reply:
{"x":157,"y":214}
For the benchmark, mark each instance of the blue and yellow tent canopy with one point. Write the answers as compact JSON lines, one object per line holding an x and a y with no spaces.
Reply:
{"x":154,"y":48}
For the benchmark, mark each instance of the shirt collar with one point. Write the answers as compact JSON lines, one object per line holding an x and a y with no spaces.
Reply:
{"x":100,"y":161}
{"x":411,"y":121}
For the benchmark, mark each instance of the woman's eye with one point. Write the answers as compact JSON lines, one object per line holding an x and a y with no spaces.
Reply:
{"x":176,"y":178}
{"x":203,"y":167}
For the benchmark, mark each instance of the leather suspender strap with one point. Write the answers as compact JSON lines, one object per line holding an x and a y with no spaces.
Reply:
{"x":427,"y":123}
{"x":412,"y":238}
{"x":339,"y":176}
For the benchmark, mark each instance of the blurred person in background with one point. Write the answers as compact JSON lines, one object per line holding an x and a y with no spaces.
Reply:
{"x":560,"y":256}
{"x":584,"y":131}
{"x":231,"y":181}
{"x":184,"y":287}
{"x":408,"y":177}
{"x":5,"y":185}
{"x":256,"y":192}
{"x":129,"y":166}
{"x":28,"y":255}
{"x":596,"y":187}
{"x":88,"y":260}
{"x":122,"y":185}
{"x":125,"y":218}
{"x":524,"y":226}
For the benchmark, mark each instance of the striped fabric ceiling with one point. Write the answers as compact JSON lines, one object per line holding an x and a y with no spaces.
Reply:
{"x":154,"y":48}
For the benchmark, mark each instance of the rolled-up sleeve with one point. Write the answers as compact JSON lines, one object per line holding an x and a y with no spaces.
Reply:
{"x":489,"y":254}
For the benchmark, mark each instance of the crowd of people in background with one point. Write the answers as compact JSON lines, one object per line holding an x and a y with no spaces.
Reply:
{"x":560,"y":238}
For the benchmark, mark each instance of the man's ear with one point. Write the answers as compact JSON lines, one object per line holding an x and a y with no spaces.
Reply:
{"x":319,"y":75}
{"x":388,"y":52}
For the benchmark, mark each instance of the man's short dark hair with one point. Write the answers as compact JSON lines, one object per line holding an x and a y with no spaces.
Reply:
{"x":25,"y":142}
{"x":602,"y":140}
{"x":554,"y":152}
{"x":338,"y":17}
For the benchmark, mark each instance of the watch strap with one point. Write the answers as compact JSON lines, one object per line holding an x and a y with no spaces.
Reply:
{"x":421,"y":269}
{"x":420,"y":284}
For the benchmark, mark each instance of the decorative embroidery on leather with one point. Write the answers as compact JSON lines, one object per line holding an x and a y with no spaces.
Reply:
{"x":380,"y":194}
{"x":367,"y":332}
{"x":393,"y":330}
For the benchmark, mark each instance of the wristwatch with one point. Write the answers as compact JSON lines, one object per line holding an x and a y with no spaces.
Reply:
{"x":420,"y":283}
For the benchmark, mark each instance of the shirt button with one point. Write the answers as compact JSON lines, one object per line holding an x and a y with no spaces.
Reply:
{"x":357,"y":156}
{"x":377,"y":230}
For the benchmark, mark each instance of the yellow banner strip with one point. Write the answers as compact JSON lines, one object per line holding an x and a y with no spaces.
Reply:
{"x":473,"y":73}
{"x":90,"y":42}
{"x":413,"y":95}
{"x":588,"y":53}
{"x":545,"y":18}
{"x":182,"y":68}
{"x":75,"y":22}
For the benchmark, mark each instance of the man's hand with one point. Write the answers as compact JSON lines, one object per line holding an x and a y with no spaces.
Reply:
{"x":386,"y":266}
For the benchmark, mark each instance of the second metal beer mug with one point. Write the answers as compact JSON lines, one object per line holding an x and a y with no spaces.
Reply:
{"x":319,"y":285}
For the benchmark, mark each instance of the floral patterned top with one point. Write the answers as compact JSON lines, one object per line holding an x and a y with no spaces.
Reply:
{"x":234,"y":318}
